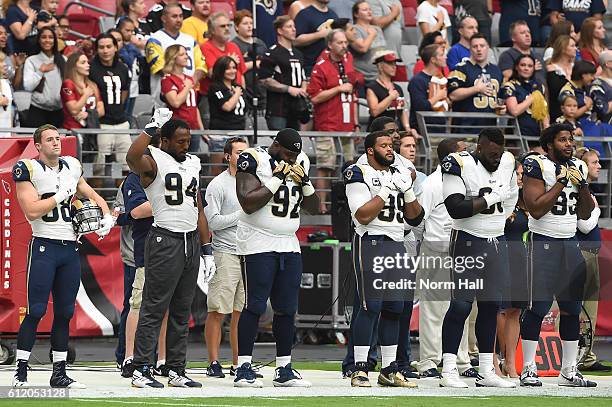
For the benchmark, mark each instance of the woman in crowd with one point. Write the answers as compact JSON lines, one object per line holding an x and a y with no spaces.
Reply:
{"x":80,"y":95}
{"x":384,"y":97}
{"x":178,"y":91}
{"x":524,"y":97}
{"x":227,"y":107}
{"x":21,"y":22}
{"x":592,"y":40}
{"x":367,"y":40}
{"x":559,"y":71}
{"x":564,"y":27}
{"x":508,"y":326}
{"x":42,"y":75}
{"x":243,"y":21}
{"x":14,"y":62}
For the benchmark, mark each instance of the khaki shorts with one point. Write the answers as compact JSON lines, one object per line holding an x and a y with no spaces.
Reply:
{"x":137,"y":286}
{"x":326,"y":151}
{"x":226,"y":289}
{"x":118,"y":143}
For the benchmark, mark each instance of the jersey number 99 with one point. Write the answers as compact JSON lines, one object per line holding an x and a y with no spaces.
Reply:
{"x":174,"y":185}
{"x":388,"y":212}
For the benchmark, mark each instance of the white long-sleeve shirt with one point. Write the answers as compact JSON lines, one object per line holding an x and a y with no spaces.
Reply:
{"x":222,"y":212}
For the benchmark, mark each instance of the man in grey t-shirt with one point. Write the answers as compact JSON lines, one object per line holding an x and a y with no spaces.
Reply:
{"x":388,"y":15}
{"x":225,"y":289}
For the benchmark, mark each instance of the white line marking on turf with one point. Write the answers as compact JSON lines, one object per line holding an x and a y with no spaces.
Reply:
{"x":160,"y":403}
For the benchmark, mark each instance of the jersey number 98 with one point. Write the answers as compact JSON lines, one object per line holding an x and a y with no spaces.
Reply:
{"x":174,"y":185}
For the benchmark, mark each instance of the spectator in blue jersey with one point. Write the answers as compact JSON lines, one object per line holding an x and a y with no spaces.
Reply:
{"x":601,"y":89}
{"x":468,"y":26}
{"x":266,"y":12}
{"x":589,"y":240}
{"x":474,"y":85}
{"x":528,"y":11}
{"x":575,"y":11}
{"x":312,"y":26}
{"x":521,"y":45}
{"x":522,"y":93}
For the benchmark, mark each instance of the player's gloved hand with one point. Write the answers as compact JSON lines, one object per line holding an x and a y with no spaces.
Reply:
{"x":403,"y":183}
{"x":499,"y":194}
{"x":386,"y":186}
{"x":160,"y":117}
{"x":282,"y":170}
{"x":299,"y":175}
{"x":65,"y":192}
{"x":107,"y":224}
{"x":575,"y":176}
{"x":206,"y":257}
{"x":562,"y":174}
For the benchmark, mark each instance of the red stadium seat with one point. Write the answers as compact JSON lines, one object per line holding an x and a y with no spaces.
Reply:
{"x":410,"y":3}
{"x":217,"y":6}
{"x":85,"y":24}
{"x":410,"y":17}
{"x":103,"y":4}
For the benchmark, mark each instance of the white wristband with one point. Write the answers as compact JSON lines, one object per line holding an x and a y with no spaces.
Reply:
{"x":273,"y":184}
{"x":409,"y":196}
{"x":308,"y":189}
{"x":491,"y":199}
{"x":384,"y":193}
{"x":56,"y":198}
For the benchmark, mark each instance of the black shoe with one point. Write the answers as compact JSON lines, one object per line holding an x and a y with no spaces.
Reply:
{"x":596,"y":367}
{"x":215,"y":370}
{"x":161,"y":370}
{"x":471,"y":372}
{"x":431,"y":374}
{"x":143,"y":378}
{"x":347,"y":371}
{"x":21,"y":374}
{"x":61,"y":380}
{"x":232,"y":370}
{"x":474,"y":362}
{"x":127,"y":370}
{"x":371,"y":365}
{"x":409,"y":373}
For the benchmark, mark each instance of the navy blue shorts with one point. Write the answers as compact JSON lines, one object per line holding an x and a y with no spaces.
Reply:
{"x":556,"y":269}
{"x":53,"y":267}
{"x":480,"y":268}
{"x":381,"y":286}
{"x":272,"y":275}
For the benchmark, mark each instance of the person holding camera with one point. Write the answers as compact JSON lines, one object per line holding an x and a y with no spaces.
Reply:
{"x":282,"y":74}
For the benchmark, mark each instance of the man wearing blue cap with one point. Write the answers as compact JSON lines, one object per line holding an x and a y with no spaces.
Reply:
{"x":271,"y":185}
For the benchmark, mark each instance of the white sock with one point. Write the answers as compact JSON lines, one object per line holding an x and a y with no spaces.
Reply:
{"x":485,"y":363}
{"x":389,"y":353}
{"x":449,"y":361}
{"x":361,"y":353}
{"x":23,"y":355}
{"x":529,"y":351}
{"x":244,"y":359}
{"x":570,"y":352}
{"x":282,"y":361}
{"x":59,"y":356}
{"x":160,"y":362}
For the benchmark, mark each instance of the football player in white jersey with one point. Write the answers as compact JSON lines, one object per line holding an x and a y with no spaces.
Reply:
{"x":480,"y":192}
{"x":381,"y":201}
{"x":45,"y":188}
{"x":272,"y":185}
{"x":179,"y":236}
{"x":556,"y":193}
{"x":403,"y":350}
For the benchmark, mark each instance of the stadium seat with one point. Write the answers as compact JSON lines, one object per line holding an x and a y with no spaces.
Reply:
{"x":217,"y":6}
{"x":410,"y":3}
{"x":85,"y":24}
{"x":409,"y":17}
{"x":108,"y":5}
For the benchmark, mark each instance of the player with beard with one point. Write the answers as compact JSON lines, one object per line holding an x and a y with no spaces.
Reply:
{"x":178,"y":238}
{"x":480,"y":192}
{"x":272,"y":185}
{"x":381,"y":201}
{"x":556,"y":194}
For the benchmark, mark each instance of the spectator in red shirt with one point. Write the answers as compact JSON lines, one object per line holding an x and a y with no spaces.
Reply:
{"x":219,"y":45}
{"x":178,"y":91}
{"x":332,"y":90}
{"x":592,"y":40}
{"x":80,"y":95}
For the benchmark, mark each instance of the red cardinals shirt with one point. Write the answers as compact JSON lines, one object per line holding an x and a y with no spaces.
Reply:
{"x":337,"y":113}
{"x":188,"y":111}
{"x":211,"y":54}
{"x":70,"y":93}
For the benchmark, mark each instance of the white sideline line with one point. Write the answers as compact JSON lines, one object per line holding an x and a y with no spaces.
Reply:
{"x":160,"y":403}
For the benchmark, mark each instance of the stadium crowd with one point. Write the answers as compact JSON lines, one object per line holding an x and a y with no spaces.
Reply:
{"x":314,"y":64}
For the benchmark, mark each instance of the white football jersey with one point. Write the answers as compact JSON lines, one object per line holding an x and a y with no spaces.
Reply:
{"x":561,"y":221}
{"x":271,"y":228}
{"x":56,"y":224}
{"x":479,"y":181}
{"x":390,"y":221}
{"x":173,"y":194}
